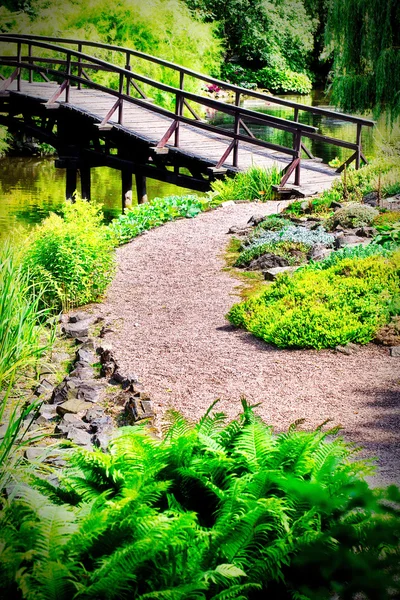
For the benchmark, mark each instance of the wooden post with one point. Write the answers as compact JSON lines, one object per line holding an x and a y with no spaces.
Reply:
{"x":19,"y":60}
{"x":79,"y":66}
{"x":85,"y":181}
{"x":236,"y":131}
{"x":126,"y":179}
{"x":30,"y":62}
{"x":71,"y":178}
{"x":141,"y":188}
{"x":358,"y":142}
{"x":297,"y":147}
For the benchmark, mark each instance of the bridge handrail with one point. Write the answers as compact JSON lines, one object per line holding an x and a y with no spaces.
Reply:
{"x":278,"y":122}
{"x":201,"y":76}
{"x":296,"y":128}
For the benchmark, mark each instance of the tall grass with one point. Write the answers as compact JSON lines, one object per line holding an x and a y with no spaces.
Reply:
{"x":254,"y":184}
{"x":22,"y":342}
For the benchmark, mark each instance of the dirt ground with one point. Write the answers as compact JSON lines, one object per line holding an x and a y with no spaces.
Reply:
{"x":167,"y":306}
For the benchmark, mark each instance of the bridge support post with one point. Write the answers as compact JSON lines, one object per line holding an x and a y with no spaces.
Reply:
{"x":70,"y":181}
{"x":141,"y":189}
{"x":85,"y":181}
{"x":126,"y":179}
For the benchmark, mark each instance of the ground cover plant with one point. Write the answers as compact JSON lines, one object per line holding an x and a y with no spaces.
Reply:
{"x":214,"y":510}
{"x":71,"y":256}
{"x":146,"y":216}
{"x":288,"y":241}
{"x":346,"y":302}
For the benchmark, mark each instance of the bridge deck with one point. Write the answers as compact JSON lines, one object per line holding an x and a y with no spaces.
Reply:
{"x":150,"y":126}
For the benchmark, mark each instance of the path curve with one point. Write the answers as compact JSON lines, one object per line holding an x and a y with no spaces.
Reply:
{"x":167,"y":305}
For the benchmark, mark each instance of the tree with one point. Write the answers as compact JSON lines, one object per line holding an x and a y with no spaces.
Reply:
{"x":364,"y":38}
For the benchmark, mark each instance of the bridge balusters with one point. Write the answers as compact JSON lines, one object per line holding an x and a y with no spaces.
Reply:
{"x":30,"y":76}
{"x":79,"y":66}
{"x":121,"y":91}
{"x":128,"y":79}
{"x":19,"y":60}
{"x":68,"y":76}
{"x":236,"y":130}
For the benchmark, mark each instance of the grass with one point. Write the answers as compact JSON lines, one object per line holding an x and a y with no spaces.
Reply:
{"x":254,"y":184}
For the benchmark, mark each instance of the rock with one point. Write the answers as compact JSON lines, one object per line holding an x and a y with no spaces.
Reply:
{"x":73,"y":406}
{"x":94,"y":412}
{"x":3,"y":431}
{"x":60,"y":357}
{"x":108,"y":369}
{"x":81,"y":340}
{"x":120,"y":398}
{"x":366,"y":232}
{"x":105,"y":329}
{"x":371,"y":199}
{"x":256,"y":220}
{"x":101,"y":440}
{"x":227,"y":204}
{"x":272,"y":274}
{"x":102,"y":424}
{"x":44,"y":387}
{"x":267,"y":261}
{"x":82,"y":372}
{"x":336,"y":205}
{"x":320,"y":252}
{"x":76,"y":317}
{"x":89,"y":344}
{"x":344,"y":350}
{"x":77,"y":330}
{"x":239,"y":230}
{"x":35,"y":453}
{"x":395,"y":351}
{"x":86,"y":356}
{"x":89,"y":391}
{"x":70,"y":421}
{"x":392,"y":203}
{"x":48,"y":411}
{"x":138,"y":410}
{"x":350,"y":240}
{"x":80,"y":437}
{"x":305,"y":207}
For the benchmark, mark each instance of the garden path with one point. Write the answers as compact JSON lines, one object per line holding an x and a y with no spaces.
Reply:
{"x":167,"y":305}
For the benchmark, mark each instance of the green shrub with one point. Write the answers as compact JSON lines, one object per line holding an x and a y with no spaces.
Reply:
{"x":388,"y":217}
{"x":347,"y":302}
{"x":154,"y":213}
{"x":254,"y":184}
{"x":72,"y":256}
{"x":358,"y":251}
{"x":215,"y":510}
{"x":352,"y":215}
{"x":283,"y":80}
{"x":388,"y":235}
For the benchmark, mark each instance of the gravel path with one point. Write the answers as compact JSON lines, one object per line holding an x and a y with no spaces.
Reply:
{"x":167,"y":305}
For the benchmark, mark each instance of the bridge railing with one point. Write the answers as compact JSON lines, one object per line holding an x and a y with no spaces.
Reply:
{"x":72,"y":66}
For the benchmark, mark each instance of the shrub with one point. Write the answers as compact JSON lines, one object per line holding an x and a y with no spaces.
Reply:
{"x":154,"y":213}
{"x":388,"y":235}
{"x":215,"y":510}
{"x":352,"y":215}
{"x":358,"y":251}
{"x":388,"y":217}
{"x":254,"y":184}
{"x":71,"y":256}
{"x":347,"y":302}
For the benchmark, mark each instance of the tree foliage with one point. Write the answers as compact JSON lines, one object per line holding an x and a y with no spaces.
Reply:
{"x":364,"y":37}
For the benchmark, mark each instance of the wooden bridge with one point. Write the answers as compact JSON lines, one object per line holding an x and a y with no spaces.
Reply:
{"x":55,"y":92}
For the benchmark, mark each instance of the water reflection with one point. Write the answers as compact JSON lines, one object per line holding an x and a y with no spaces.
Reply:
{"x":329,"y":126}
{"x":32,"y":187}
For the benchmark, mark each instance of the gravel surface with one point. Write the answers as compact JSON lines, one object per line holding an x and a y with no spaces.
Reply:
{"x":167,"y":305}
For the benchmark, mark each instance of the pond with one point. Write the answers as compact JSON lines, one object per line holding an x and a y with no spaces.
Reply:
{"x":32,"y":187}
